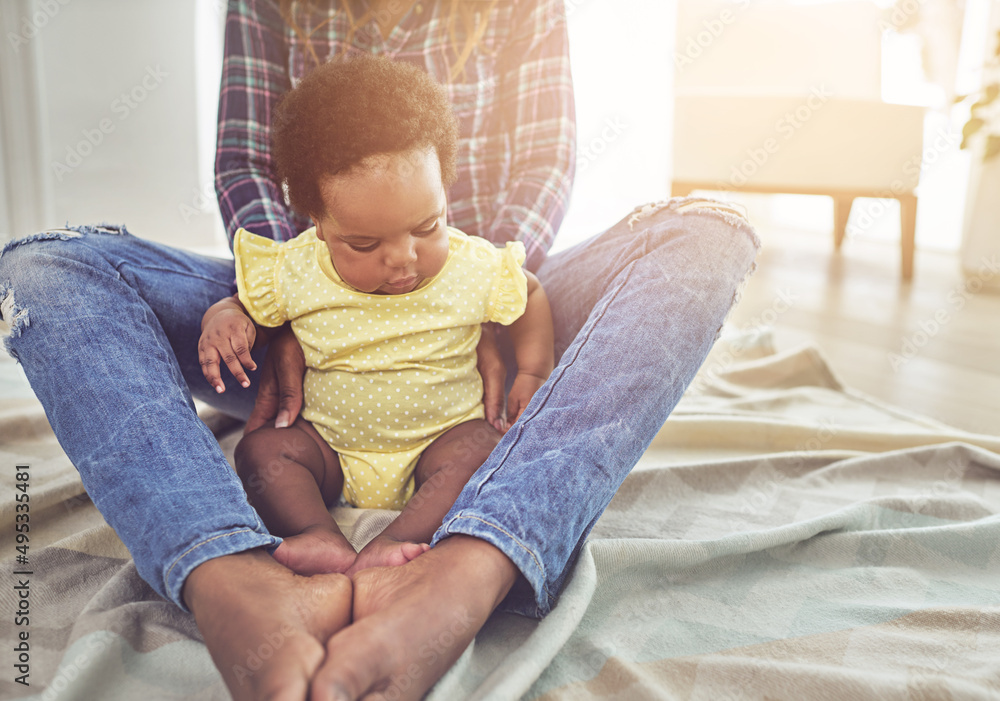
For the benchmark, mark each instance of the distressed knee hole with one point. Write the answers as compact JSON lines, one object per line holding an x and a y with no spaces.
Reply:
{"x":12,"y":320}
{"x":108,"y":229}
{"x":65,"y":234}
{"x":729,"y":212}
{"x":50,"y":235}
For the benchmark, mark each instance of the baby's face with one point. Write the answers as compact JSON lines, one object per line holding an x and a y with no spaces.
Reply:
{"x":385,"y":222}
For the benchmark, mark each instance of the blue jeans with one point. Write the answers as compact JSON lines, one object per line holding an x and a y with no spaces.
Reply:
{"x":106,"y":327}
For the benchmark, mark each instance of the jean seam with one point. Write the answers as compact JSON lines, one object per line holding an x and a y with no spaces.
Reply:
{"x":603,"y":310}
{"x":86,"y":231}
{"x":541,"y":405}
{"x":166,"y":576}
{"x":186,"y":273}
{"x":517,"y":542}
{"x":27,"y":241}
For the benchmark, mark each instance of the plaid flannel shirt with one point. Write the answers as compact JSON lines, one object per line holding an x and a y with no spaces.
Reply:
{"x":514,"y":104}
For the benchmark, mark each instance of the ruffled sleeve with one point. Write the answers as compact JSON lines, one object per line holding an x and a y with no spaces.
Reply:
{"x":257,"y":261}
{"x":510,"y":291}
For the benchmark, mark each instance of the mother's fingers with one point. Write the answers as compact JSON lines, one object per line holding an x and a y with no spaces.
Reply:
{"x":265,"y":407}
{"x":290,"y":368}
{"x":489,"y":362}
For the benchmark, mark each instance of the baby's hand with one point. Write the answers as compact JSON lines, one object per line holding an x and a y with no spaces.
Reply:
{"x":228,"y":335}
{"x":521,"y":392}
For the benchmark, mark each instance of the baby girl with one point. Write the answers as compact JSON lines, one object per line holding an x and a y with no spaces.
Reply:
{"x":387,"y":302}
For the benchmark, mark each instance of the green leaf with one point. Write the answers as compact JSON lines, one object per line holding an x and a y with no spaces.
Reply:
{"x":992,"y":147}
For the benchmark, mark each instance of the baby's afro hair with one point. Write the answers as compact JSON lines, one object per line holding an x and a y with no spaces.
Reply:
{"x":347,"y":110}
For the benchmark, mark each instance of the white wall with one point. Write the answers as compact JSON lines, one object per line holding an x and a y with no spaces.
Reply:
{"x":24,"y":191}
{"x":152,"y":169}
{"x":118,"y":101}
{"x":622,"y":60}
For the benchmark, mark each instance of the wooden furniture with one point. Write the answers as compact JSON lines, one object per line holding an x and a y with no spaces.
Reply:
{"x":806,"y":118}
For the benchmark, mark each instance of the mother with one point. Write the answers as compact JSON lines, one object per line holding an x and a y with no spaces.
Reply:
{"x":636,"y":311}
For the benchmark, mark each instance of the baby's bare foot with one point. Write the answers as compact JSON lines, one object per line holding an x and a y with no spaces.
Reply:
{"x":385,"y":551}
{"x":316,"y":550}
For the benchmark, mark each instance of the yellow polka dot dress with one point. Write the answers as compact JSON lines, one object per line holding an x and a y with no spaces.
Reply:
{"x":385,"y":374}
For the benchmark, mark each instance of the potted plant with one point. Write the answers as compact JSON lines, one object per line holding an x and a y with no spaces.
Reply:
{"x":985,"y":110}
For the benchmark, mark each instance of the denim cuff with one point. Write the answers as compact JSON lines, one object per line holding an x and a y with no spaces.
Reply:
{"x":214,"y":546}
{"x":523,"y":557}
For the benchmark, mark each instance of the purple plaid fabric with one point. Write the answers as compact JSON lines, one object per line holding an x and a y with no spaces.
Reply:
{"x":514,"y":103}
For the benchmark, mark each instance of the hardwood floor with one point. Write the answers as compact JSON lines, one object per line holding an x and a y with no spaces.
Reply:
{"x":931,"y":346}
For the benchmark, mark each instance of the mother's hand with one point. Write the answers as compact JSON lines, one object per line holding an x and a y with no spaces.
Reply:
{"x":494,"y":374}
{"x":279,"y":396}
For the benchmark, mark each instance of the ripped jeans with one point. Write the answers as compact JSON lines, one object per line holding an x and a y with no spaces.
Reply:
{"x":106,"y":327}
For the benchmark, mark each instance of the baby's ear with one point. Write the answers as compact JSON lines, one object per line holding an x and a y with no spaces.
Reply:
{"x":319,"y":230}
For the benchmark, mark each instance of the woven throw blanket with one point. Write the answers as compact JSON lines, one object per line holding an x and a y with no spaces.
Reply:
{"x":784,"y":537}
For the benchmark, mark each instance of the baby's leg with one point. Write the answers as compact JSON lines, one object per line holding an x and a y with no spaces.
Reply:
{"x":290,"y":476}
{"x":441,"y":473}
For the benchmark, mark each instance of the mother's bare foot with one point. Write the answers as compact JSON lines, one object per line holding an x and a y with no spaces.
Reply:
{"x":316,"y":550}
{"x":265,"y":626}
{"x":412,"y":622}
{"x":384,"y":551}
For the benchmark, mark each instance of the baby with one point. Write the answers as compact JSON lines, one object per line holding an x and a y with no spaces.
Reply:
{"x":387,"y":302}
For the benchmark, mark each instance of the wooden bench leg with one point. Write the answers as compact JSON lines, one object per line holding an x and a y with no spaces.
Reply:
{"x":841,"y":212}
{"x":908,"y":233}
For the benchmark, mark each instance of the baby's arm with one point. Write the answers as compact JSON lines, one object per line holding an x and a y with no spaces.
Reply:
{"x":533,"y":340}
{"x":227,"y":333}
